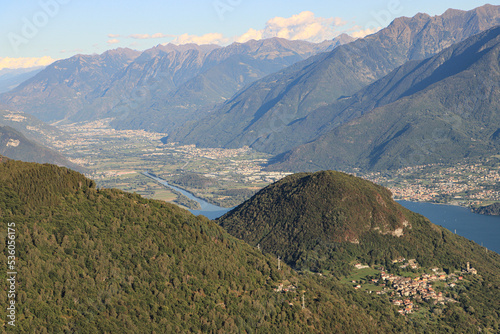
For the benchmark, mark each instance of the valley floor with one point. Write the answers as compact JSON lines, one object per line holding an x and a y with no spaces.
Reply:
{"x":117,"y":158}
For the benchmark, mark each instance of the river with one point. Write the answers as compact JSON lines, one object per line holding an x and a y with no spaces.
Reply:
{"x":208,"y":210}
{"x":484,"y":230}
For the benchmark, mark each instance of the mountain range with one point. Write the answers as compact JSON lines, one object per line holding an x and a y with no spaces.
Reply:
{"x":310,"y":105}
{"x":157,"y":89}
{"x":274,"y":114}
{"x":439,"y":110}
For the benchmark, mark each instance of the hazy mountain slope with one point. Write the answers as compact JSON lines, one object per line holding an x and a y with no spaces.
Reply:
{"x":257,"y":115}
{"x":91,"y":260}
{"x":29,"y":126}
{"x":438,"y":110}
{"x":15,"y":145}
{"x":60,"y":90}
{"x":11,"y":78}
{"x":226,"y":70}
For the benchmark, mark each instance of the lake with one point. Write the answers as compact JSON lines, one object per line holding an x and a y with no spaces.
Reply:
{"x":482,"y":229}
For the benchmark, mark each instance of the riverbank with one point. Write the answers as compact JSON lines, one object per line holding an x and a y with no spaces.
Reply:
{"x":207,"y":209}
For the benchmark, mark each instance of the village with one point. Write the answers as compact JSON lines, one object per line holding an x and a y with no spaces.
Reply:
{"x":465,"y":184}
{"x":408,"y":292}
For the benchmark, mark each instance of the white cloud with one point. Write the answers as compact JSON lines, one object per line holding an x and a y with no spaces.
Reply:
{"x":139,"y":36}
{"x":250,"y":34}
{"x":25,"y":62}
{"x":304,"y":26}
{"x":357,"y":32}
{"x":210,"y":38}
{"x":160,"y":35}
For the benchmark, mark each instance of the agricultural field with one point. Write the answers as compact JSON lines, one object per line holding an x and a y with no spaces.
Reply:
{"x":116,"y":159}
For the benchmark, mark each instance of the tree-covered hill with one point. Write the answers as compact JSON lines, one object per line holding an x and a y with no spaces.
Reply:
{"x":103,"y":261}
{"x":327,"y":221}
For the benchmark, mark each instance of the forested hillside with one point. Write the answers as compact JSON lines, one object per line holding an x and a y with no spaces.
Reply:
{"x":93,"y":260}
{"x":327,"y":221}
{"x":103,"y":261}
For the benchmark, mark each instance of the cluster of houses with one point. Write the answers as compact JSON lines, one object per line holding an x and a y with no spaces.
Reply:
{"x":407,"y":306}
{"x":406,"y":289}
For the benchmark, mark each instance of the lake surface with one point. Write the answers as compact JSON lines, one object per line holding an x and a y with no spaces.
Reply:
{"x":482,"y":229}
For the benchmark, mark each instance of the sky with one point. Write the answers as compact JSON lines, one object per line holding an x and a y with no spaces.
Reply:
{"x":37,"y":32}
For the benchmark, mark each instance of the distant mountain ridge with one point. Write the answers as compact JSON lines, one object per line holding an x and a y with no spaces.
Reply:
{"x":157,"y":89}
{"x":441,"y":109}
{"x":11,"y":78}
{"x":262,"y":115}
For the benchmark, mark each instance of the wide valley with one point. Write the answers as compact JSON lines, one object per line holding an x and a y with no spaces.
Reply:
{"x":212,"y":181}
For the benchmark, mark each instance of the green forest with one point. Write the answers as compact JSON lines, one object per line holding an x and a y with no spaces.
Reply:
{"x":104,"y":261}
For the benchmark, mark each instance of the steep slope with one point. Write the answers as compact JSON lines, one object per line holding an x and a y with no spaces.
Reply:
{"x":15,"y":145}
{"x":90,"y":260}
{"x":59,"y":91}
{"x":258,"y":115}
{"x":11,"y":78}
{"x":225,"y":71}
{"x":441,"y":109}
{"x":157,"y":89}
{"x":327,"y":221}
